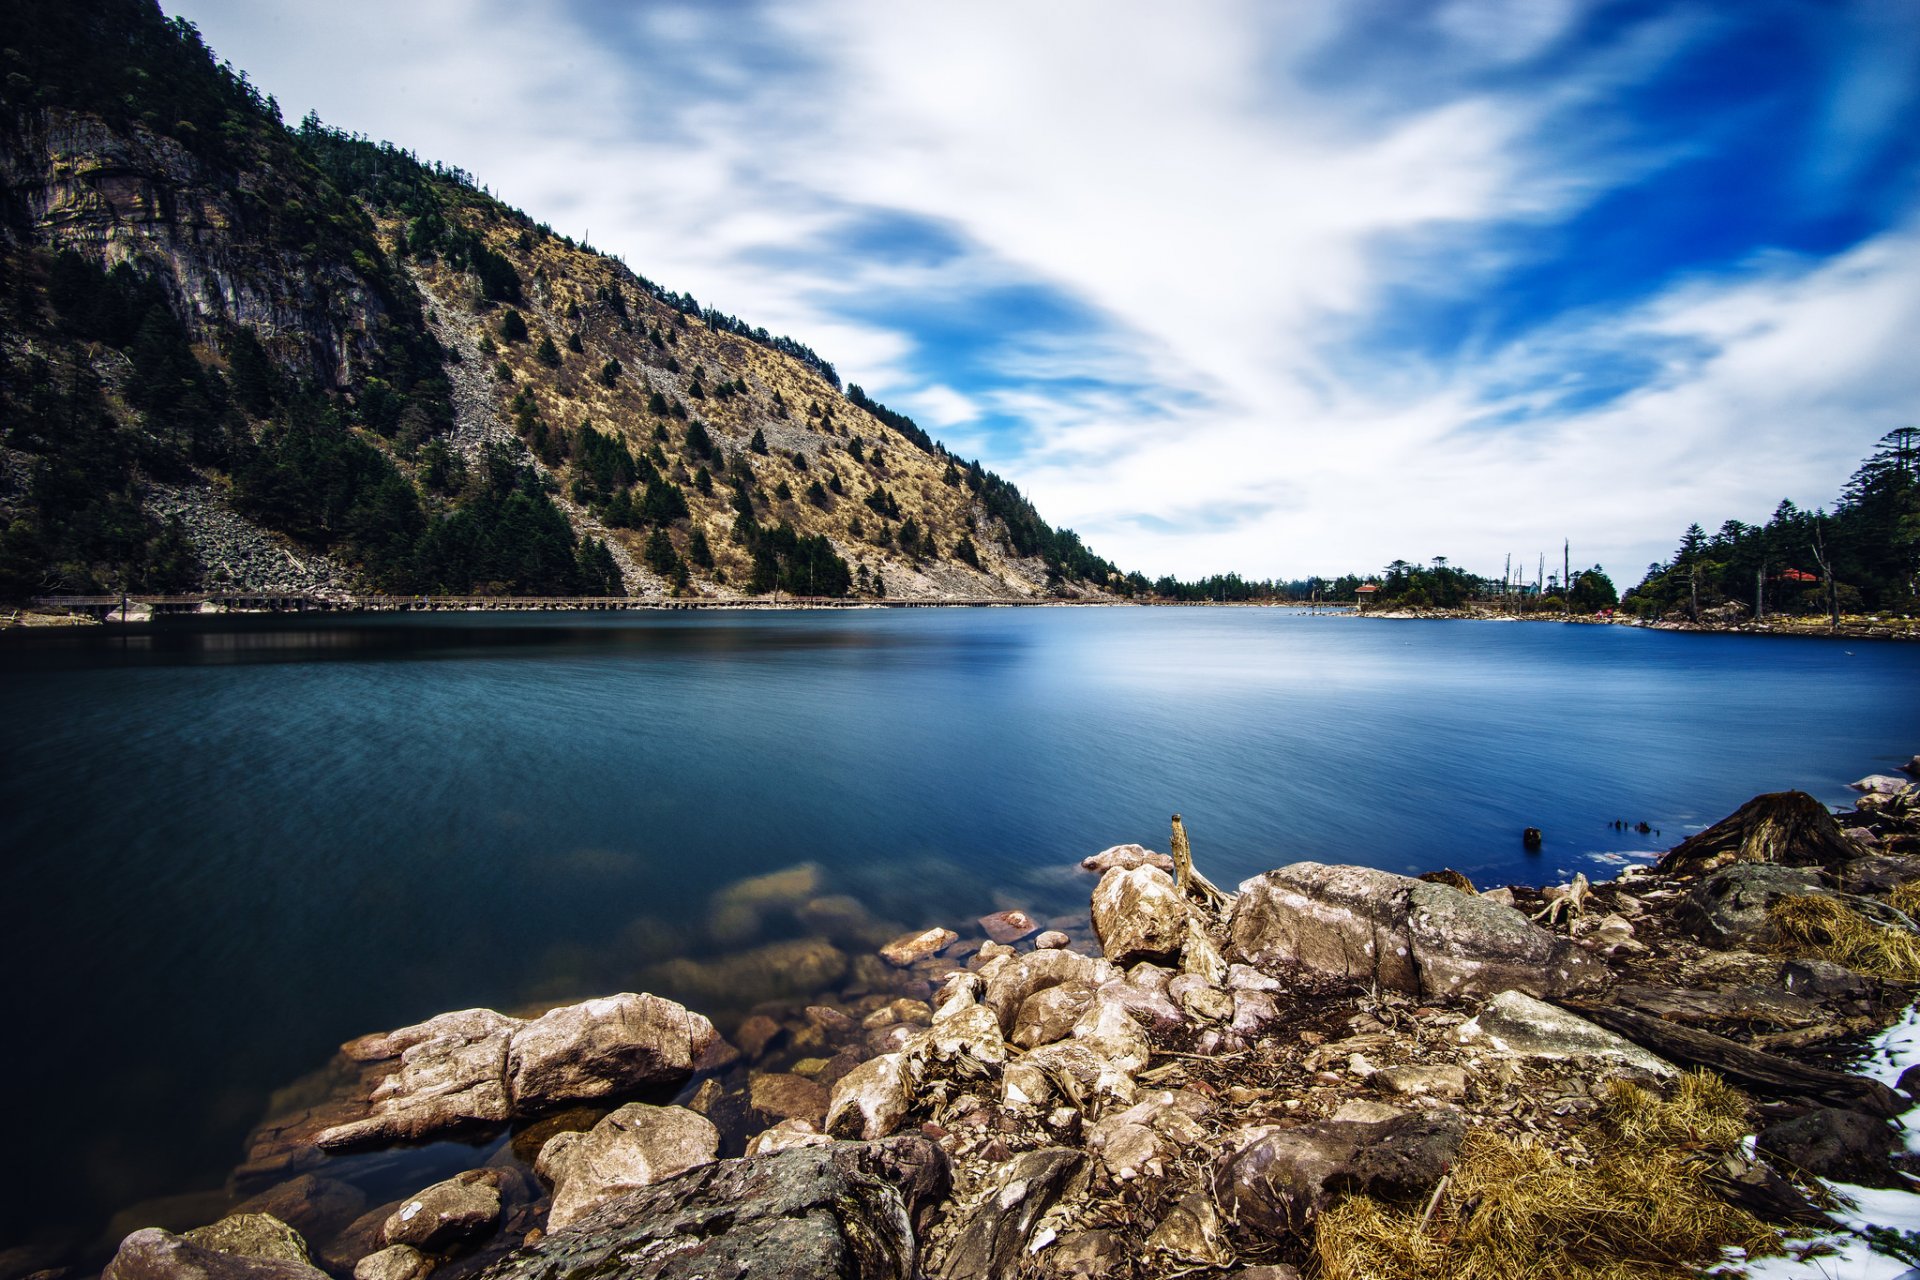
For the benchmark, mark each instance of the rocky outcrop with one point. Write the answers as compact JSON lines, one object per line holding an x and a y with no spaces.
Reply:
{"x":1729,"y":908}
{"x":481,"y":1067}
{"x":1359,"y":925}
{"x":636,"y":1146}
{"x":845,"y":1211}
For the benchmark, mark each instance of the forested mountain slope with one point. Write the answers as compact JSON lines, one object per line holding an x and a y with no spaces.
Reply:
{"x":238,"y":354}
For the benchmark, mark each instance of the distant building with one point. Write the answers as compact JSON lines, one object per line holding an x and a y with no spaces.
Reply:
{"x":1365,"y":593}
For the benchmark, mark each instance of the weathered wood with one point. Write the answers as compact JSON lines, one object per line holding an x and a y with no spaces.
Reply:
{"x":1788,"y":827}
{"x":1769,"y":1005}
{"x":1687,"y":1046}
{"x":1187,"y":880}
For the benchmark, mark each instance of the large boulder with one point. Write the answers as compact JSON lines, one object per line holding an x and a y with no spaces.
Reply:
{"x":846,"y":1211}
{"x":603,"y":1047}
{"x":1276,"y":1180}
{"x":153,"y":1254}
{"x":1138,"y":914}
{"x":1013,"y":980}
{"x":478,"y":1067}
{"x":1831,"y":1143}
{"x":1729,"y":908}
{"x":635,"y":1146}
{"x":1372,"y":927}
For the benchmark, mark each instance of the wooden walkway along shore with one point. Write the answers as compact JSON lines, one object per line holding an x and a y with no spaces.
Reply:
{"x":302,"y":602}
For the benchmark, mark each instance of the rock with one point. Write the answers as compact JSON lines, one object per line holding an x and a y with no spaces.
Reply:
{"x":1502,"y":896}
{"x":153,"y":1254}
{"x":1109,"y":1029}
{"x":1011,"y":983}
{"x":872,"y":1100}
{"x":1879,"y":873}
{"x":991,"y":1241}
{"x":739,"y":911}
{"x":785,"y":1136}
{"x":1515,"y":1024}
{"x":775,"y":1096}
{"x":796,"y":969}
{"x":842,"y":920}
{"x":1253,"y":1012}
{"x":1192,"y":1233}
{"x":635,"y":1146}
{"x":251,"y":1235}
{"x":909,"y":947}
{"x":1142,"y":1140}
{"x":1787,"y":827}
{"x":395,"y":1262}
{"x":1244,"y":977}
{"x":1139,"y":915}
{"x":1127,"y":857}
{"x":481,"y":1067}
{"x":1846,"y":1146}
{"x":1277,"y":1271}
{"x":1438,"y":1080}
{"x":1729,"y":908}
{"x":1366,"y":1111}
{"x":1008,"y":926}
{"x":1086,"y":1255}
{"x":847,"y":1210}
{"x":1051,"y":940}
{"x":1200,"y":999}
{"x":1048,"y":1015}
{"x":992,"y":951}
{"x":962,"y":1048}
{"x":1884,"y":784}
{"x":447,"y":1214}
{"x":316,"y":1207}
{"x":1091,"y":1082}
{"x":1373,"y":927}
{"x":1277,"y":1180}
{"x":1823,"y":980}
{"x":602,"y":1047}
{"x":1450,"y":878}
{"x":756,"y":1033}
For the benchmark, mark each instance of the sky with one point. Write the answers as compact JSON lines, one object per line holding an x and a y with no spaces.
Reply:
{"x":1273,"y":288}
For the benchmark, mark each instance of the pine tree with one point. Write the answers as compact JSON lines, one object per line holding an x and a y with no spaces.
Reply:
{"x":759,"y":442}
{"x":513,"y":326}
{"x":547,"y":353}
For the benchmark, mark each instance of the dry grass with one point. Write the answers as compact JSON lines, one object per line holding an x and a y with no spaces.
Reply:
{"x":1906,"y":899}
{"x":1514,"y":1208}
{"x":1829,"y":930}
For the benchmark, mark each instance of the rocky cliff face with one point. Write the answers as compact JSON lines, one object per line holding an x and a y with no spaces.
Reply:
{"x":347,"y":355}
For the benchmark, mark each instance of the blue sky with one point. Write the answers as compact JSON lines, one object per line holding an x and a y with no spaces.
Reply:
{"x":1279,"y":288}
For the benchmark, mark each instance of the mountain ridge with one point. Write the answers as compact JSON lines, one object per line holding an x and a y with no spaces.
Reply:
{"x":299,"y":341}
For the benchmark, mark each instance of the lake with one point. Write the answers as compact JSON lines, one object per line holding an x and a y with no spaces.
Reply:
{"x":232,"y":843}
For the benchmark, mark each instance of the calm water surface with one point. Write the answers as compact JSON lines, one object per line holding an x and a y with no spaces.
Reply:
{"x":232,"y":843}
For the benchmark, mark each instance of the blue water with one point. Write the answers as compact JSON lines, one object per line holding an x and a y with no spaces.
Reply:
{"x":232,"y":843}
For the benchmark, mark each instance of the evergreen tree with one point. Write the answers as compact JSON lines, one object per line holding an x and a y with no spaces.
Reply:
{"x":547,"y":353}
{"x":759,"y":442}
{"x":513,"y":326}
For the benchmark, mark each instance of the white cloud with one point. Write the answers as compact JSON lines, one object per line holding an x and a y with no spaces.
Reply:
{"x":1229,"y":210}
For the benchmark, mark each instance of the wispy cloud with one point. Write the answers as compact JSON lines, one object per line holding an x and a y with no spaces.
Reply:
{"x":1279,"y":289}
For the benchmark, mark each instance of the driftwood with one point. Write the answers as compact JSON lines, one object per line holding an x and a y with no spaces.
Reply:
{"x":1189,"y":881}
{"x":1788,"y":827}
{"x":1686,"y":1046}
{"x":1769,"y":1005}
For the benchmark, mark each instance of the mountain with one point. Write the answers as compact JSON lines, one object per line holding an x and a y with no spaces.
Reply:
{"x":234,"y":354}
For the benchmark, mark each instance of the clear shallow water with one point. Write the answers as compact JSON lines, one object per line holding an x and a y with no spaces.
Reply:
{"x":232,"y":843}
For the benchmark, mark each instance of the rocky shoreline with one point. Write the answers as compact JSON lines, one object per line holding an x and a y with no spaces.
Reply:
{"x":1334,"y":1071}
{"x":1732,"y":623}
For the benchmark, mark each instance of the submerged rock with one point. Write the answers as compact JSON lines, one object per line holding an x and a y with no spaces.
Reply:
{"x":634,"y":1147}
{"x":911,"y":947}
{"x":845,"y":1211}
{"x":1373,"y":927}
{"x":1008,"y":926}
